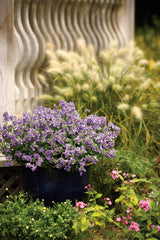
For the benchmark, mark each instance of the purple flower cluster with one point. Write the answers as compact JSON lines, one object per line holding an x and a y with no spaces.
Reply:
{"x":57,"y":137}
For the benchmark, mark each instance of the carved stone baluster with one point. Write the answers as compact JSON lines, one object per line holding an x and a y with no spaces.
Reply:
{"x":82,"y":15}
{"x":7,"y":90}
{"x":75,"y":22}
{"x":94,"y":25}
{"x":55,"y":21}
{"x":70,"y":7}
{"x":62,"y":23}
{"x":40,"y":44}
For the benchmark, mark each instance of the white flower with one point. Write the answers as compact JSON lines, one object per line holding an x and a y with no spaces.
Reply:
{"x":91,"y":50}
{"x":78,"y":74}
{"x":83,"y":67}
{"x":143,"y":62}
{"x":123,"y":106}
{"x":85,"y":87}
{"x":100,"y":87}
{"x":137,"y":113}
{"x":116,"y":87}
{"x":130,"y":77}
{"x":145,"y":84}
{"x":111,"y":79}
{"x":104,"y":55}
{"x":63,"y":55}
{"x":57,"y":98}
{"x":94,"y":99}
{"x":53,"y":70}
{"x":44,"y":98}
{"x":43,"y":80}
{"x":94,"y":76}
{"x":78,"y":87}
{"x":67,"y":91}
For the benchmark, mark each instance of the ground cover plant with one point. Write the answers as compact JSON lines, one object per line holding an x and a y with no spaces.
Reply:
{"x":21,"y":218}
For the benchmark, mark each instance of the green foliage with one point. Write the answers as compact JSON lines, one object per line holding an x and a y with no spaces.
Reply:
{"x":21,"y":218}
{"x":133,"y":215}
{"x":128,"y":161}
{"x":94,"y":217}
{"x":148,"y":39}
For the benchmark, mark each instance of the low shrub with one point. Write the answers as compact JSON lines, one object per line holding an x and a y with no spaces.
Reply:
{"x":133,"y":215}
{"x":128,"y":161}
{"x":21,"y":218}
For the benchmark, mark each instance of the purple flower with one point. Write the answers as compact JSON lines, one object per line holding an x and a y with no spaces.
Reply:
{"x":57,"y":137}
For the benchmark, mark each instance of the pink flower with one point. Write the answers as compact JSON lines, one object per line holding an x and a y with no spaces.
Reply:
{"x":80,"y":205}
{"x":109,"y":203}
{"x":144,"y":204}
{"x":118,"y":219}
{"x":88,"y":186}
{"x":158,"y":228}
{"x":129,"y":217}
{"x":114,"y":174}
{"x":125,"y":175}
{"x":123,"y":217}
{"x":131,"y":181}
{"x":126,"y":222}
{"x":133,"y":176}
{"x":128,"y":210}
{"x":134,"y":226}
{"x":108,"y":199}
{"x":152,"y":226}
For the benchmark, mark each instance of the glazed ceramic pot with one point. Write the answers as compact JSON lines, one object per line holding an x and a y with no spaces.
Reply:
{"x":54,"y":185}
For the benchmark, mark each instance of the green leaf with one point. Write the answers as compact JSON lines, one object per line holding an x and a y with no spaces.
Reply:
{"x":75,"y":227}
{"x":112,"y":211}
{"x":97,"y":214}
{"x":91,"y":200}
{"x":83,"y":220}
{"x":98,"y":195}
{"x":99,"y":207}
{"x":101,"y":223}
{"x":84,"y":227}
{"x":110,"y":219}
{"x":152,"y":239}
{"x":134,"y":199}
{"x":89,"y":209}
{"x":141,"y":180}
{"x":119,"y":199}
{"x":121,"y":177}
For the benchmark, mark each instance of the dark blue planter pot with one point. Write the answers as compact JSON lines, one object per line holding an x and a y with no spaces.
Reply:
{"x":54,"y":185}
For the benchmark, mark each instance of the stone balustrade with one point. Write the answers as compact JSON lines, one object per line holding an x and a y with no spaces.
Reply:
{"x":27,"y":25}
